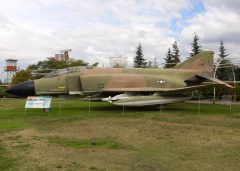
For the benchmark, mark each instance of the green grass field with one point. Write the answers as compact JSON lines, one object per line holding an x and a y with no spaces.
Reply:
{"x":179,"y":137}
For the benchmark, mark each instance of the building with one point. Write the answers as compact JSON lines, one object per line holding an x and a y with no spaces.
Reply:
{"x":118,"y":62}
{"x":60,"y":57}
{"x":63,"y":55}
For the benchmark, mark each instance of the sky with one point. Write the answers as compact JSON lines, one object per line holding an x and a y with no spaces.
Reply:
{"x":31,"y":30}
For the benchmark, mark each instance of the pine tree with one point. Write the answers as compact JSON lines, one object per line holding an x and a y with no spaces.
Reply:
{"x":175,"y":54}
{"x":139,"y":61}
{"x":222,"y":71}
{"x":222,"y":52}
{"x":168,"y":60}
{"x":195,"y":47}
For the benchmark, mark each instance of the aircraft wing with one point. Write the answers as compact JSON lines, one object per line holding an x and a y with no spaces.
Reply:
{"x":129,"y":96}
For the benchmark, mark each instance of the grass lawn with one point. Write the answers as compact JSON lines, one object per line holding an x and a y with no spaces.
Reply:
{"x":178,"y":137}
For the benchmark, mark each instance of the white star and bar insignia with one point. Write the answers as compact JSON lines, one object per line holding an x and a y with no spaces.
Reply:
{"x":161,"y":81}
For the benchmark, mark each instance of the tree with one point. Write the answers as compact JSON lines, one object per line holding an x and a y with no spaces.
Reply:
{"x":175,"y":54}
{"x":223,"y":70}
{"x":222,"y":52}
{"x":149,"y":64}
{"x":21,"y":76}
{"x":139,"y":61}
{"x":51,"y":63}
{"x":195,"y":47}
{"x":73,"y":62}
{"x":155,"y":63}
{"x":168,"y":60}
{"x":95,"y":64}
{"x":2,"y":92}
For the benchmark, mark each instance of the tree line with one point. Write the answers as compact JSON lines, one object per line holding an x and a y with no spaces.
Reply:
{"x":172,"y":58}
{"x":46,"y":66}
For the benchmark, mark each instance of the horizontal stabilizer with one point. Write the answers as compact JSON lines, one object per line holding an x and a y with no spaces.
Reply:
{"x":215,"y":80}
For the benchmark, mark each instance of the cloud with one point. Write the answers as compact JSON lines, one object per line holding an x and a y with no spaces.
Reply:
{"x":32,"y":30}
{"x":94,"y":29}
{"x":231,"y":5}
{"x":220,"y":21}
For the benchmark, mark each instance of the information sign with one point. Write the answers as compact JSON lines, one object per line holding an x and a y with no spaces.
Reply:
{"x":43,"y":102}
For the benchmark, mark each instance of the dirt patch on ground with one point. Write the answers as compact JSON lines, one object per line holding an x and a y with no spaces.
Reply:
{"x":155,"y":144}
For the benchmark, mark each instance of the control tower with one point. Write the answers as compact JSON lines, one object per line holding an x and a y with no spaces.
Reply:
{"x":11,"y":69}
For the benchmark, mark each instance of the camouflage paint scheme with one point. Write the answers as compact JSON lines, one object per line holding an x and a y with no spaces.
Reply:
{"x":127,"y":86}
{"x":135,"y":86}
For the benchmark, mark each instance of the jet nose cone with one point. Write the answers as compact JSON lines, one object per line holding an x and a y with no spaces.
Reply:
{"x":24,"y":89}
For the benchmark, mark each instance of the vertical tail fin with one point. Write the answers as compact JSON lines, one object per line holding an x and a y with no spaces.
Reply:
{"x":202,"y":61}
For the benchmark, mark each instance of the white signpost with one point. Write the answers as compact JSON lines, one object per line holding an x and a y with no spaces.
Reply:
{"x":38,"y":102}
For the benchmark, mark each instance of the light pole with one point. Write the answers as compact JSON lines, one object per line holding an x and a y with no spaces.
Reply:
{"x":234,"y":82}
{"x":214,"y":75}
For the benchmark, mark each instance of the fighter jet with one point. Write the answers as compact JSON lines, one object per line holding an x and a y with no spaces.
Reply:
{"x":127,"y":86}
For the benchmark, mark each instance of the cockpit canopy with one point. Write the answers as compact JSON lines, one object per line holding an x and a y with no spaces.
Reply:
{"x":68,"y":70}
